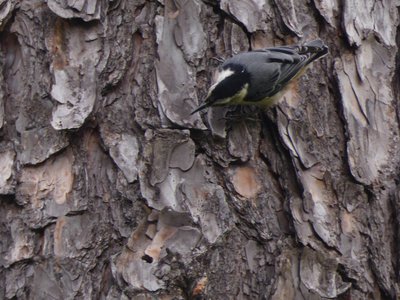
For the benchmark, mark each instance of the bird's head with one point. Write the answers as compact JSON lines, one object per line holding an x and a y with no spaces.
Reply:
{"x":229,"y":87}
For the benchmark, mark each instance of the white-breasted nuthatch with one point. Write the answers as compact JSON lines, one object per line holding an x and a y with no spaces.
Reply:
{"x":259,"y":77}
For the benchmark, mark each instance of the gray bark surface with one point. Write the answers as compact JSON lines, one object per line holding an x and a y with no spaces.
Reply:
{"x":110,"y":189}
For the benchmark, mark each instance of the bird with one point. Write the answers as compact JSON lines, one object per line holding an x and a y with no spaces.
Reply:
{"x":260,"y":77}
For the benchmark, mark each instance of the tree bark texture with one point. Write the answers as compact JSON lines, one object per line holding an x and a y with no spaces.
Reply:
{"x":110,"y":189}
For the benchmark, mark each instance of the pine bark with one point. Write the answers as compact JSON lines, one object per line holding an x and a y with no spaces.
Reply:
{"x":110,"y":189}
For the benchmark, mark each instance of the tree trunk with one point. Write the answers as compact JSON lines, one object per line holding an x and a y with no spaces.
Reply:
{"x":110,"y":189}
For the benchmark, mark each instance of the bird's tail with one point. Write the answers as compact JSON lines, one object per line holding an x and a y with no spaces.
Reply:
{"x":315,"y":49}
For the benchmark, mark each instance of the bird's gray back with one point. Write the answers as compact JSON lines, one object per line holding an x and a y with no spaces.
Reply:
{"x":270,"y":69}
{"x":264,"y":68}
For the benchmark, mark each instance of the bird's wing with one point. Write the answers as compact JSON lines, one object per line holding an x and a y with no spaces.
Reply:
{"x":270,"y":69}
{"x":276,"y":66}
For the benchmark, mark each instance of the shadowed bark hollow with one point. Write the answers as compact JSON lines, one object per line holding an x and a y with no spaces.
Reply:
{"x":110,"y":189}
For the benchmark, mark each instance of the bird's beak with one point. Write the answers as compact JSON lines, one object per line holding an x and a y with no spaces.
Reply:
{"x":207,"y":102}
{"x":203,"y":106}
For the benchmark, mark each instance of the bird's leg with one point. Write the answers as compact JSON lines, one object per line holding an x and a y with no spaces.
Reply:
{"x":243,"y":113}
